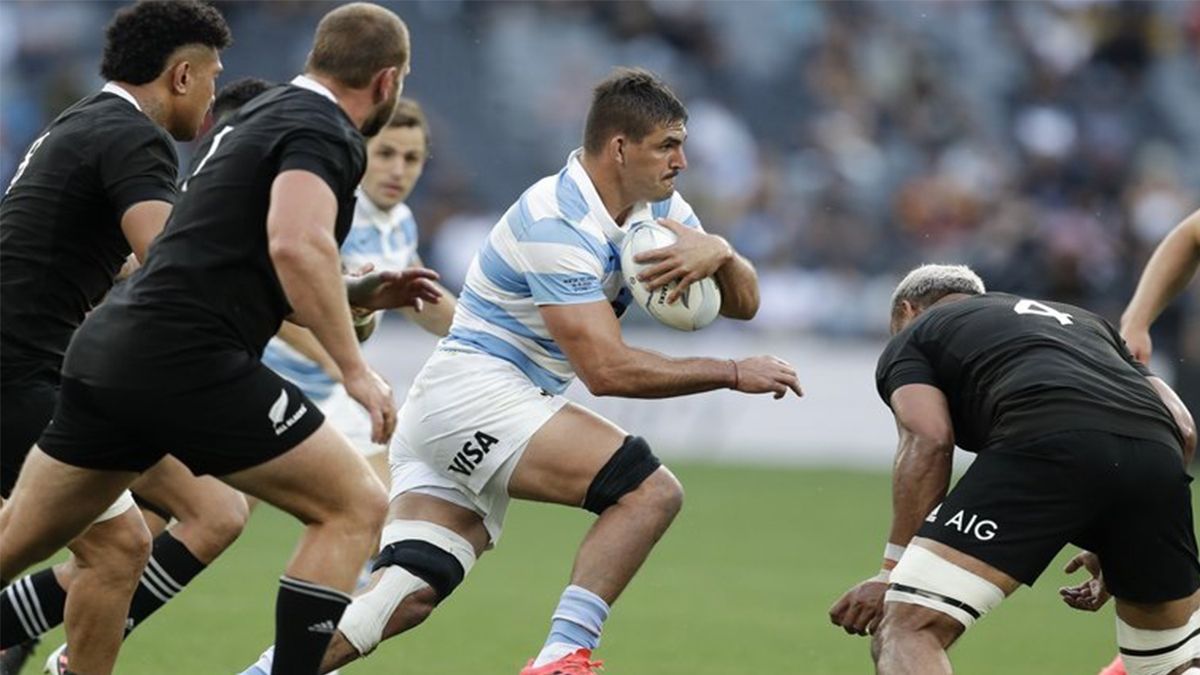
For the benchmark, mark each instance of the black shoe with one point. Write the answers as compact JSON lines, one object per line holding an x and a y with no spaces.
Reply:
{"x":14,"y":658}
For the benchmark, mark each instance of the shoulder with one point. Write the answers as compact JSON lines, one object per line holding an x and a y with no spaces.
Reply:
{"x":676,"y":208}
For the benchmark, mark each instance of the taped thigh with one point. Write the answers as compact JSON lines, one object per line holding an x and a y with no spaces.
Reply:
{"x":926,"y":579}
{"x":1155,"y":652}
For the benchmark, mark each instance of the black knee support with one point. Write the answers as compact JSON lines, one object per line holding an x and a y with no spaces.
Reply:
{"x":441,"y":570}
{"x":626,"y":469}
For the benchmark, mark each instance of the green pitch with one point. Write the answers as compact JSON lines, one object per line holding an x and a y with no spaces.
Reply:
{"x":741,"y":584}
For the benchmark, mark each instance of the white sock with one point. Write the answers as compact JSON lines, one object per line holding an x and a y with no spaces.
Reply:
{"x":553,"y":652}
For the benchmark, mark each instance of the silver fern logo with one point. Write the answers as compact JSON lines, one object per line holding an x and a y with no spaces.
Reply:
{"x":279,"y":409}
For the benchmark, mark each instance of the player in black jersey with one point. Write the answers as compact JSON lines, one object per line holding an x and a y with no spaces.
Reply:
{"x":170,"y":361}
{"x":1076,"y":442}
{"x":96,"y":184}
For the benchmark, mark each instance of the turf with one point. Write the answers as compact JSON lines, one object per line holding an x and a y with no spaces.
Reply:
{"x":741,"y":584}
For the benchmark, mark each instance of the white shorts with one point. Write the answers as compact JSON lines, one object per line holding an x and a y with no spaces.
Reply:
{"x":466,"y":421}
{"x":121,"y":505}
{"x":351,"y":419}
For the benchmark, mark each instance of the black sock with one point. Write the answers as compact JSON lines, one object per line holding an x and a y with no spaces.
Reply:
{"x":171,"y":567}
{"x":306,"y":615}
{"x":31,"y":606}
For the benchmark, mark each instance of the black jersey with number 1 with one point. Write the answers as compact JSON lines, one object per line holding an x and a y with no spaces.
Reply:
{"x":61,"y":243}
{"x":1014,"y":370}
{"x":208,"y":300}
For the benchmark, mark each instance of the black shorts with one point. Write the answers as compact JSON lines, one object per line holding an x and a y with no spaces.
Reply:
{"x":25,"y":410}
{"x":1125,"y":499}
{"x":217,"y":429}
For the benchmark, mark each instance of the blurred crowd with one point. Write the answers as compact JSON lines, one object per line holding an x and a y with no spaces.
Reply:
{"x":1049,"y":144}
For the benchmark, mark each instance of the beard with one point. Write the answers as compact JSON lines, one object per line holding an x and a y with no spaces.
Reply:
{"x":382,"y":115}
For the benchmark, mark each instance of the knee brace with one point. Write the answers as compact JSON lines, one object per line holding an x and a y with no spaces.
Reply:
{"x":1152,"y":652}
{"x":629,"y":466}
{"x":414,"y":554}
{"x":924,"y":578}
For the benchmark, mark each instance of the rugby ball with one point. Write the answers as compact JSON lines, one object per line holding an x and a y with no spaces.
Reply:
{"x":693,"y":310}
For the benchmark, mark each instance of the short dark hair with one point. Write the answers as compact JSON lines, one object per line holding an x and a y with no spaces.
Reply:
{"x":409,"y":114}
{"x":356,"y":41}
{"x":631,"y":101}
{"x":141,"y":37}
{"x":235,"y":95}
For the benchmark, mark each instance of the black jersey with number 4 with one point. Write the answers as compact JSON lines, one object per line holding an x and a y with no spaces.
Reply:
{"x":1014,"y":369}
{"x":208,"y":299}
{"x":61,"y":243}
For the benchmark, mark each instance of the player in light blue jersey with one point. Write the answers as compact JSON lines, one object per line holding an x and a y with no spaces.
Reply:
{"x":485,"y":420}
{"x":383,"y":236}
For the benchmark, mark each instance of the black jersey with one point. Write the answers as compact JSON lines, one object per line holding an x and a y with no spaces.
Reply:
{"x":61,"y":243}
{"x":208,"y":299}
{"x":1014,"y":370}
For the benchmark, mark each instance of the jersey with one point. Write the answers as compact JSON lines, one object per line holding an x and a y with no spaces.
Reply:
{"x":61,"y":243}
{"x":1015,"y":370}
{"x":208,"y":299}
{"x":557,"y":245}
{"x":386,"y":239}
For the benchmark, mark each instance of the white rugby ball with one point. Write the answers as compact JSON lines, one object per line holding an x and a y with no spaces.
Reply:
{"x":693,"y":310}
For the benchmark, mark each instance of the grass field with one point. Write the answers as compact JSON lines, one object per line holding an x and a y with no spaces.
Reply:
{"x":741,"y":584}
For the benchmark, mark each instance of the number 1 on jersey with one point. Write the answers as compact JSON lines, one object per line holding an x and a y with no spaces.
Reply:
{"x":215,"y":143}
{"x":1038,"y":309}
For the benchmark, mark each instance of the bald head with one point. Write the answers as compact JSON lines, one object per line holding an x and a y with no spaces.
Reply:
{"x":355,"y":42}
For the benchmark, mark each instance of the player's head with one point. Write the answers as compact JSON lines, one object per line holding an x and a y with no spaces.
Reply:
{"x":926,"y":285}
{"x":363,"y":47}
{"x":235,"y":95}
{"x":638,"y":124}
{"x":173,"y":45}
{"x":396,"y":156}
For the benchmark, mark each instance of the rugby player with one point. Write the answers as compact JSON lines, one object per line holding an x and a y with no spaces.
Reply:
{"x":485,"y":420}
{"x":170,"y":361}
{"x":1076,"y":442}
{"x":97,"y":184}
{"x":382,"y":236}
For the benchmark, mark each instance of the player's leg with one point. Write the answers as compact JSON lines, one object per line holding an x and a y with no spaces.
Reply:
{"x":1148,"y":556}
{"x":936,"y":594}
{"x":52,"y":503}
{"x":578,"y":458}
{"x":209,"y":518}
{"x":330,"y":488}
{"x":429,"y":545}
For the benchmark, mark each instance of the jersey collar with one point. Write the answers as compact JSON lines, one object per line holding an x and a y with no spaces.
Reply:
{"x":306,"y":82}
{"x":640,"y":211}
{"x":383,"y":220}
{"x":118,"y":90}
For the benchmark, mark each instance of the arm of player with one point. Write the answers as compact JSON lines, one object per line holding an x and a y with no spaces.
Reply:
{"x":304,"y":252}
{"x":920,"y":478}
{"x":590,"y":336}
{"x":142,"y":222}
{"x":302,"y":340}
{"x":1183,"y":418}
{"x":437,"y":317}
{"x":696,"y":255}
{"x":1170,"y":268}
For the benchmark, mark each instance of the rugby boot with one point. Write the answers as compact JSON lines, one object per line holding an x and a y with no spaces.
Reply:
{"x":577,"y":662}
{"x":1117,"y":667}
{"x":56,"y":663}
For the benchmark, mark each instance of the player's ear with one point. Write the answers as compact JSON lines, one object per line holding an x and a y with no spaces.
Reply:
{"x":385,"y":81}
{"x":617,"y":147}
{"x":181,"y":77}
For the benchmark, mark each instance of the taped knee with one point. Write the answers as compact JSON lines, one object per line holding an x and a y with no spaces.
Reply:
{"x":923,"y":578}
{"x":414,"y":555}
{"x":1152,"y":652}
{"x":629,"y":466}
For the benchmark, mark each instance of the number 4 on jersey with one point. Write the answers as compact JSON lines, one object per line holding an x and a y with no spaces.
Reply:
{"x":1038,"y":309}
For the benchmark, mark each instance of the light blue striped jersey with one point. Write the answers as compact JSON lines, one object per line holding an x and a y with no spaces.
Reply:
{"x":557,"y":245}
{"x":387,"y":239}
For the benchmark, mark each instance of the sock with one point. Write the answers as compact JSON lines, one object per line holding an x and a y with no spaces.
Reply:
{"x":31,"y":606}
{"x":306,"y":615}
{"x":172,"y":566}
{"x":576,"y":624}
